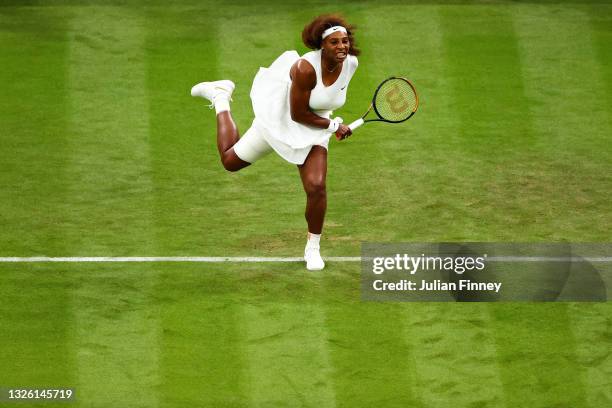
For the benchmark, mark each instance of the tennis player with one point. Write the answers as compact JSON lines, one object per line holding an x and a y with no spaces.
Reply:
{"x":293,"y":101}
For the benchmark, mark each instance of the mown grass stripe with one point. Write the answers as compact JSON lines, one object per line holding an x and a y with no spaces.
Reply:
{"x":520,"y":348}
{"x":492,"y":145}
{"x":591,"y":329}
{"x":270,"y":189}
{"x":537,"y":353}
{"x":187,"y":208}
{"x":455,"y":355}
{"x":35,"y":324}
{"x":570,"y":114}
{"x":448,"y":371}
{"x":483,"y":63}
{"x":200,"y":361}
{"x":116,"y":327}
{"x":559,"y":39}
{"x":287,"y":351}
{"x":293,"y":358}
{"x":373,"y":361}
{"x":591,"y":323}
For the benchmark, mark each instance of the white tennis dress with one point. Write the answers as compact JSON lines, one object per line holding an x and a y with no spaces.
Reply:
{"x":270,"y":97}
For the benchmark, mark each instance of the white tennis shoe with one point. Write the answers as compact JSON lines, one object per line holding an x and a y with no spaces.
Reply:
{"x":212,"y":90}
{"x":313,"y":259}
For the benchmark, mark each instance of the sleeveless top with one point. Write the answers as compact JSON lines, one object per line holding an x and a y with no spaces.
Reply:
{"x":325,"y":99}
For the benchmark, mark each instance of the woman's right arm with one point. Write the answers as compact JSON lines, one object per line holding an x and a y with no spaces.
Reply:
{"x":304,"y":79}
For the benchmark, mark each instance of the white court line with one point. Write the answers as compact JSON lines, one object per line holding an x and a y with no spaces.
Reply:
{"x":211,"y":259}
{"x":242,"y":259}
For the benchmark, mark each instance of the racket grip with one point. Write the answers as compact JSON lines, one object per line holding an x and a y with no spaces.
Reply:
{"x":356,"y":124}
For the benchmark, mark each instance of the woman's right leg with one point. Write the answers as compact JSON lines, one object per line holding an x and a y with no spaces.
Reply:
{"x":219,"y":93}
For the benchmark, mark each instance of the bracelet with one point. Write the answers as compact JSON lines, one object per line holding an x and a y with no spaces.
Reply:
{"x":333,"y":126}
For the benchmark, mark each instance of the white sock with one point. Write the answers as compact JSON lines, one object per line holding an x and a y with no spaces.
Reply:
{"x":222,"y":103}
{"x":313,"y":240}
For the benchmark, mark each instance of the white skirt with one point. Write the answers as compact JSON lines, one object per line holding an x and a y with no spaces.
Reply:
{"x":270,"y":98}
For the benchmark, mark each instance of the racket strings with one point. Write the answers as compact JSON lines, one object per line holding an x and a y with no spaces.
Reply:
{"x":395,"y":100}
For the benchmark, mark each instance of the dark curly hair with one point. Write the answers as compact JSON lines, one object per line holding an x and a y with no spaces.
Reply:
{"x":311,"y":35}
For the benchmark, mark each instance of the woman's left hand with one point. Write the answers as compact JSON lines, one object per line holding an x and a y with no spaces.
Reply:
{"x":343,"y":132}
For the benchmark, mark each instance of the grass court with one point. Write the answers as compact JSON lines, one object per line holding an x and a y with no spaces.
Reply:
{"x":105,"y":153}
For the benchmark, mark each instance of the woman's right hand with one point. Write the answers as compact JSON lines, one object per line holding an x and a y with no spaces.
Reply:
{"x":343,"y":132}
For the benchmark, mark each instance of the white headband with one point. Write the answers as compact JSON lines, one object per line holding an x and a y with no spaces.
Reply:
{"x":332,"y":30}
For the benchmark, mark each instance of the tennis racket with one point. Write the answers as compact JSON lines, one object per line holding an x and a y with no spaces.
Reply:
{"x":394,"y":101}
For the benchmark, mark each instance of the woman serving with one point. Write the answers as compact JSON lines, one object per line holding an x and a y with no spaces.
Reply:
{"x":293,"y":101}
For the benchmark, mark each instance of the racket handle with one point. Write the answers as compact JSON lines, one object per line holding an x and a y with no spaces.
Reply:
{"x":356,"y":124}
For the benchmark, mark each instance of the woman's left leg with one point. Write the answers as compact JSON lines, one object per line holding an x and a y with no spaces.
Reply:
{"x":313,"y":174}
